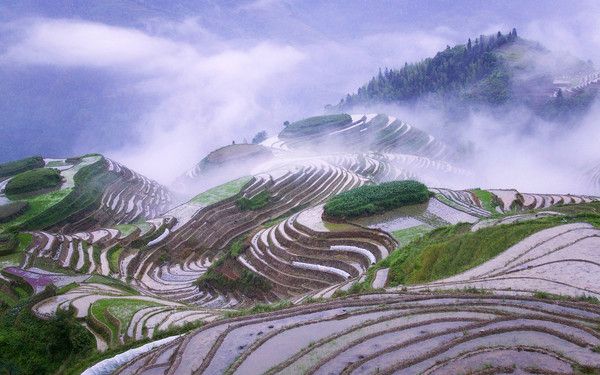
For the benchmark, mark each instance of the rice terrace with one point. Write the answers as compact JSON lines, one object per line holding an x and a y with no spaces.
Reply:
{"x":177,"y":197}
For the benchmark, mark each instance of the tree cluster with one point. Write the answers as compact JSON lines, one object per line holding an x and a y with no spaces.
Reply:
{"x":449,"y":70}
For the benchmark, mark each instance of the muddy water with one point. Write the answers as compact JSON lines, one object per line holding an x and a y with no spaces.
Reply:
{"x":523,"y":360}
{"x":285,"y":344}
{"x":197,"y":348}
{"x":337,"y":364}
{"x":400,"y":218}
{"x":238,"y":340}
{"x":547,"y":307}
{"x":527,"y":338}
{"x":313,"y":357}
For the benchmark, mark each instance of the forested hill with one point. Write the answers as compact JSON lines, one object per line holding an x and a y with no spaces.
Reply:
{"x":491,"y":69}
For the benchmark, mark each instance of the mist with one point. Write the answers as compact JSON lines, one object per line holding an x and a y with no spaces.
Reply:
{"x":189,"y":86}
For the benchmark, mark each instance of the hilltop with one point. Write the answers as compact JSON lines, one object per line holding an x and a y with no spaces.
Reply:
{"x":490,"y":71}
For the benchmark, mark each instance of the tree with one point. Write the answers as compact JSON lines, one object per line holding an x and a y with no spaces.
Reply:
{"x":259,"y":137}
{"x":469,"y":45}
{"x":514,"y":32}
{"x":286,"y":122}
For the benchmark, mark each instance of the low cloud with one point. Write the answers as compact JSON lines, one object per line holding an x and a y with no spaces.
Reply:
{"x":208,"y":91}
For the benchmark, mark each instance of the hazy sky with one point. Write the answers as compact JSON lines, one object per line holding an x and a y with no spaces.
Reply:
{"x":157,"y":84}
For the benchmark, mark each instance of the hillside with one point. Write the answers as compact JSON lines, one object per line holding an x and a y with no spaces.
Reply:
{"x":486,"y":71}
{"x":80,"y":193}
{"x":315,"y":235}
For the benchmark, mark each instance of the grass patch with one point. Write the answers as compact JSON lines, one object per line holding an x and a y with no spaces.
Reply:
{"x":37,"y":206}
{"x":126,"y":229}
{"x":373,"y":199}
{"x":33,"y":180}
{"x":113,"y":258}
{"x":259,"y":308}
{"x":14,"y":167}
{"x":14,"y":243}
{"x":450,"y":250}
{"x":89,"y":184}
{"x":255,"y":203}
{"x":559,"y":297}
{"x":121,"y":309}
{"x":405,"y":236}
{"x":221,"y":192}
{"x":488,"y":200}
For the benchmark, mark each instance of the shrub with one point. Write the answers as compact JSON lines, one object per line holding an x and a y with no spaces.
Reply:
{"x":18,"y":166}
{"x":248,"y":282}
{"x":33,"y":180}
{"x":372,"y":199}
{"x":259,"y":137}
{"x":256,"y":202}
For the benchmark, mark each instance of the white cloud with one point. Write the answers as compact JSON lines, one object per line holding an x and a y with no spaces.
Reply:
{"x":206,"y":99}
{"x":211,"y":91}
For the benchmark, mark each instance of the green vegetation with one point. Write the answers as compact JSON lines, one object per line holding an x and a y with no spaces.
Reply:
{"x":405,"y":236}
{"x":8,"y":243}
{"x":115,"y":283}
{"x":450,"y":250}
{"x":90,"y":182}
{"x":259,"y":309}
{"x":37,"y":206}
{"x":372,"y":199}
{"x":18,"y":166}
{"x":33,"y":180}
{"x":113,"y":258}
{"x":315,"y":125}
{"x":221,"y":192}
{"x":126,"y":229}
{"x":247,"y":282}
{"x":14,"y":243}
{"x":488,"y":200}
{"x":29,"y":345}
{"x":256,"y":202}
{"x":223,"y":275}
{"x":56,"y":163}
{"x":559,"y":297}
{"x":107,"y":310}
{"x":450,"y":71}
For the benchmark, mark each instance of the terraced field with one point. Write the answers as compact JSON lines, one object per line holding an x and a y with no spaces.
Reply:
{"x":249,"y":276}
{"x":387,"y":333}
{"x":561,"y":260}
{"x":95,"y":192}
{"x":369,"y":132}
